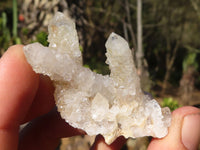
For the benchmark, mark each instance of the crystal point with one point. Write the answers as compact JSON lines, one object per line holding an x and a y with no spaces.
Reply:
{"x":111,"y":105}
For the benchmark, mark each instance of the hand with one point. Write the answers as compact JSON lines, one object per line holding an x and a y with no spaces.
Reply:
{"x":26,"y":96}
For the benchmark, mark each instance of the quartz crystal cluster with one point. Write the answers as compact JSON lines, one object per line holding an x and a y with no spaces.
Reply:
{"x":111,"y":105}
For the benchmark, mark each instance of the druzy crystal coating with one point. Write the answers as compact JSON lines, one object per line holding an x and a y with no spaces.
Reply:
{"x":111,"y":105}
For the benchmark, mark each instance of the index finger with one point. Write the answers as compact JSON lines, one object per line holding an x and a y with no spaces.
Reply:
{"x":18,"y":86}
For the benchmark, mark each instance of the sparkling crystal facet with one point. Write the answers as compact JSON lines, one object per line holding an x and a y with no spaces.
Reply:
{"x":111,"y":105}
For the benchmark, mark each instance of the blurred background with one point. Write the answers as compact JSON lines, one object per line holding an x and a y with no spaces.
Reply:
{"x":164,"y":37}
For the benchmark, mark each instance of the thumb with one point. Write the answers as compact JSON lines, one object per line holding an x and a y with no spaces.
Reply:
{"x":184,"y":132}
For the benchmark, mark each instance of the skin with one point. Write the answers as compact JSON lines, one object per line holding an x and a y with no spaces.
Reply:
{"x":26,"y":96}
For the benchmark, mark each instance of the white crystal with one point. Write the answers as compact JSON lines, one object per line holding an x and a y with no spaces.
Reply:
{"x":111,"y":105}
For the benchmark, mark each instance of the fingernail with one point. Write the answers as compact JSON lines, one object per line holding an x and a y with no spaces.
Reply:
{"x":191,"y":131}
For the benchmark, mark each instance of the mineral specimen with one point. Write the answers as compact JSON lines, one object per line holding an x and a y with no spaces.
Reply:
{"x":110,"y":105}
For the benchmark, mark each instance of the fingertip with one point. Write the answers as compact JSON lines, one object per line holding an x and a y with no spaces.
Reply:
{"x":16,"y":46}
{"x":16,"y":50}
{"x":174,"y":139}
{"x":185,"y":110}
{"x":18,"y":85}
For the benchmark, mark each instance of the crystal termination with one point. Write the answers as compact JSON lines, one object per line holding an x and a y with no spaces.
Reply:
{"x":111,"y":105}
